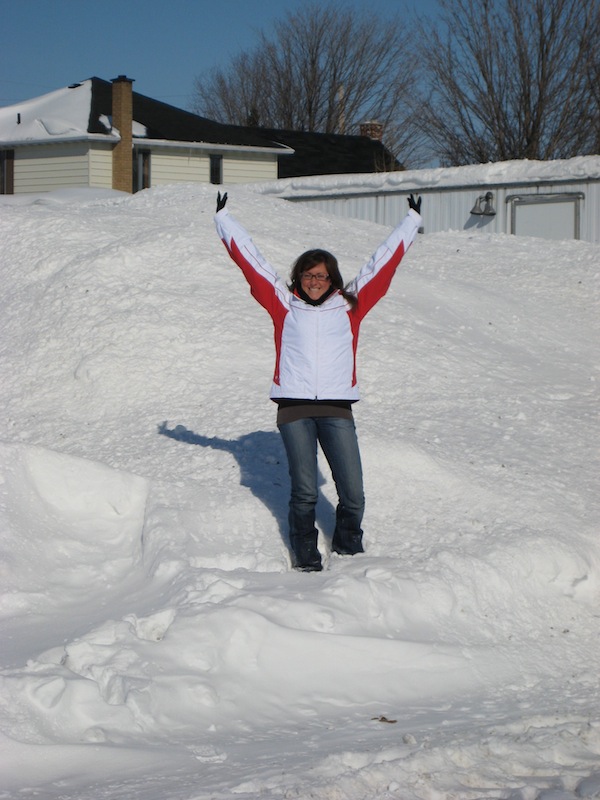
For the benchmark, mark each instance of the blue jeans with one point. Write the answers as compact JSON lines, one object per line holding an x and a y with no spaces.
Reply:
{"x":337,"y":437}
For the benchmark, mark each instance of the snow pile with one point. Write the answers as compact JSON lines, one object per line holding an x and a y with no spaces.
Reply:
{"x":155,"y":642}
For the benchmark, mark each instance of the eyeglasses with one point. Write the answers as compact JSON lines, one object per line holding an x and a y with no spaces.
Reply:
{"x":322,"y":277}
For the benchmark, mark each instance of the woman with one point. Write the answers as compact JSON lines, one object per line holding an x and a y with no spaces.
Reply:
{"x":316,"y":321}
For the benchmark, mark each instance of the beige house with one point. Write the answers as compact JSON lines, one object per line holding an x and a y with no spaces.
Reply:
{"x":102,"y":134}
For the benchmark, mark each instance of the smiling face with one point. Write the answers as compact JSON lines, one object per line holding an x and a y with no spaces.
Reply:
{"x":315,"y":281}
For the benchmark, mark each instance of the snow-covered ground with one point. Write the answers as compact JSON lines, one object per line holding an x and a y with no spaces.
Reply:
{"x":156,"y":644}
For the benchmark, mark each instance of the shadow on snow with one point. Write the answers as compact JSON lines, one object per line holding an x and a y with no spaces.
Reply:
{"x":263,"y":469}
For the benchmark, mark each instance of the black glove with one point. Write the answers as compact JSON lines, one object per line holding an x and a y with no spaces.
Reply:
{"x":412,"y":203}
{"x":221,"y":200}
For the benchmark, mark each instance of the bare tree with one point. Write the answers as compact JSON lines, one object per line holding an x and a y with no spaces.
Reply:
{"x":326,"y":68}
{"x":512,"y":79}
{"x":594,"y":84}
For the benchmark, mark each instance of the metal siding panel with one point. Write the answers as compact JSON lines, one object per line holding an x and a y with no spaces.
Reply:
{"x":100,"y":166}
{"x":179,"y":167}
{"x":244,"y":168}
{"x":450,"y":209}
{"x":194,"y":167}
{"x":46,"y":167}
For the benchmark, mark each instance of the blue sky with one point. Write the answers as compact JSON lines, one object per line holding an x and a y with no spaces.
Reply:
{"x":162,"y":44}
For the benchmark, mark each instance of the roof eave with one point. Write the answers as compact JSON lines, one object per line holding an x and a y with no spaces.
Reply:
{"x":141,"y":142}
{"x":86,"y":137}
{"x":244,"y":148}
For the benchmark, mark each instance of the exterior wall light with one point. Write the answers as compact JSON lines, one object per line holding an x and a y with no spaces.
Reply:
{"x":484,"y":205}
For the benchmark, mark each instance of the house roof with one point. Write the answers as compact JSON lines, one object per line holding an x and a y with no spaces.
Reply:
{"x":330,"y":153}
{"x":83,"y":111}
{"x":59,"y":115}
{"x":165,"y":122}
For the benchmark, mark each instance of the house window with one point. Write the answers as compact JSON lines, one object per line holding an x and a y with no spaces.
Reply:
{"x":216,"y":169}
{"x":141,"y":170}
{"x":7,"y":171}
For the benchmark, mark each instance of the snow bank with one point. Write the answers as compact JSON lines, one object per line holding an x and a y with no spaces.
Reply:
{"x":156,"y":643}
{"x":82,"y":519}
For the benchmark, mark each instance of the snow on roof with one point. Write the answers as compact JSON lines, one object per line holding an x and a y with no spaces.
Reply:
{"x":83,"y":112}
{"x":63,"y":114}
{"x":500,"y":173}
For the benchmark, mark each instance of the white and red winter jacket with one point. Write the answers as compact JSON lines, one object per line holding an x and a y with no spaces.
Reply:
{"x":316,"y":345}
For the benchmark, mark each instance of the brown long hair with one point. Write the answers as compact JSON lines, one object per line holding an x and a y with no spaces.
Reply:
{"x":310,"y":259}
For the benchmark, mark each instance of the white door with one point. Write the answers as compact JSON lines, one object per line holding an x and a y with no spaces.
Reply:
{"x":547,"y":216}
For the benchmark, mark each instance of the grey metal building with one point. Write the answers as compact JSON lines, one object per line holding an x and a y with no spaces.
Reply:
{"x":549,"y":199}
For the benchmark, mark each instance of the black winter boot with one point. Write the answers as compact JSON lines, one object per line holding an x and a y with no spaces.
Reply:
{"x":347,"y":543}
{"x":306,"y":556}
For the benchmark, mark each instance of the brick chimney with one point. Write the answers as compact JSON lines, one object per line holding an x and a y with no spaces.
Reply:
{"x":372,"y":129}
{"x":122,"y":120}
